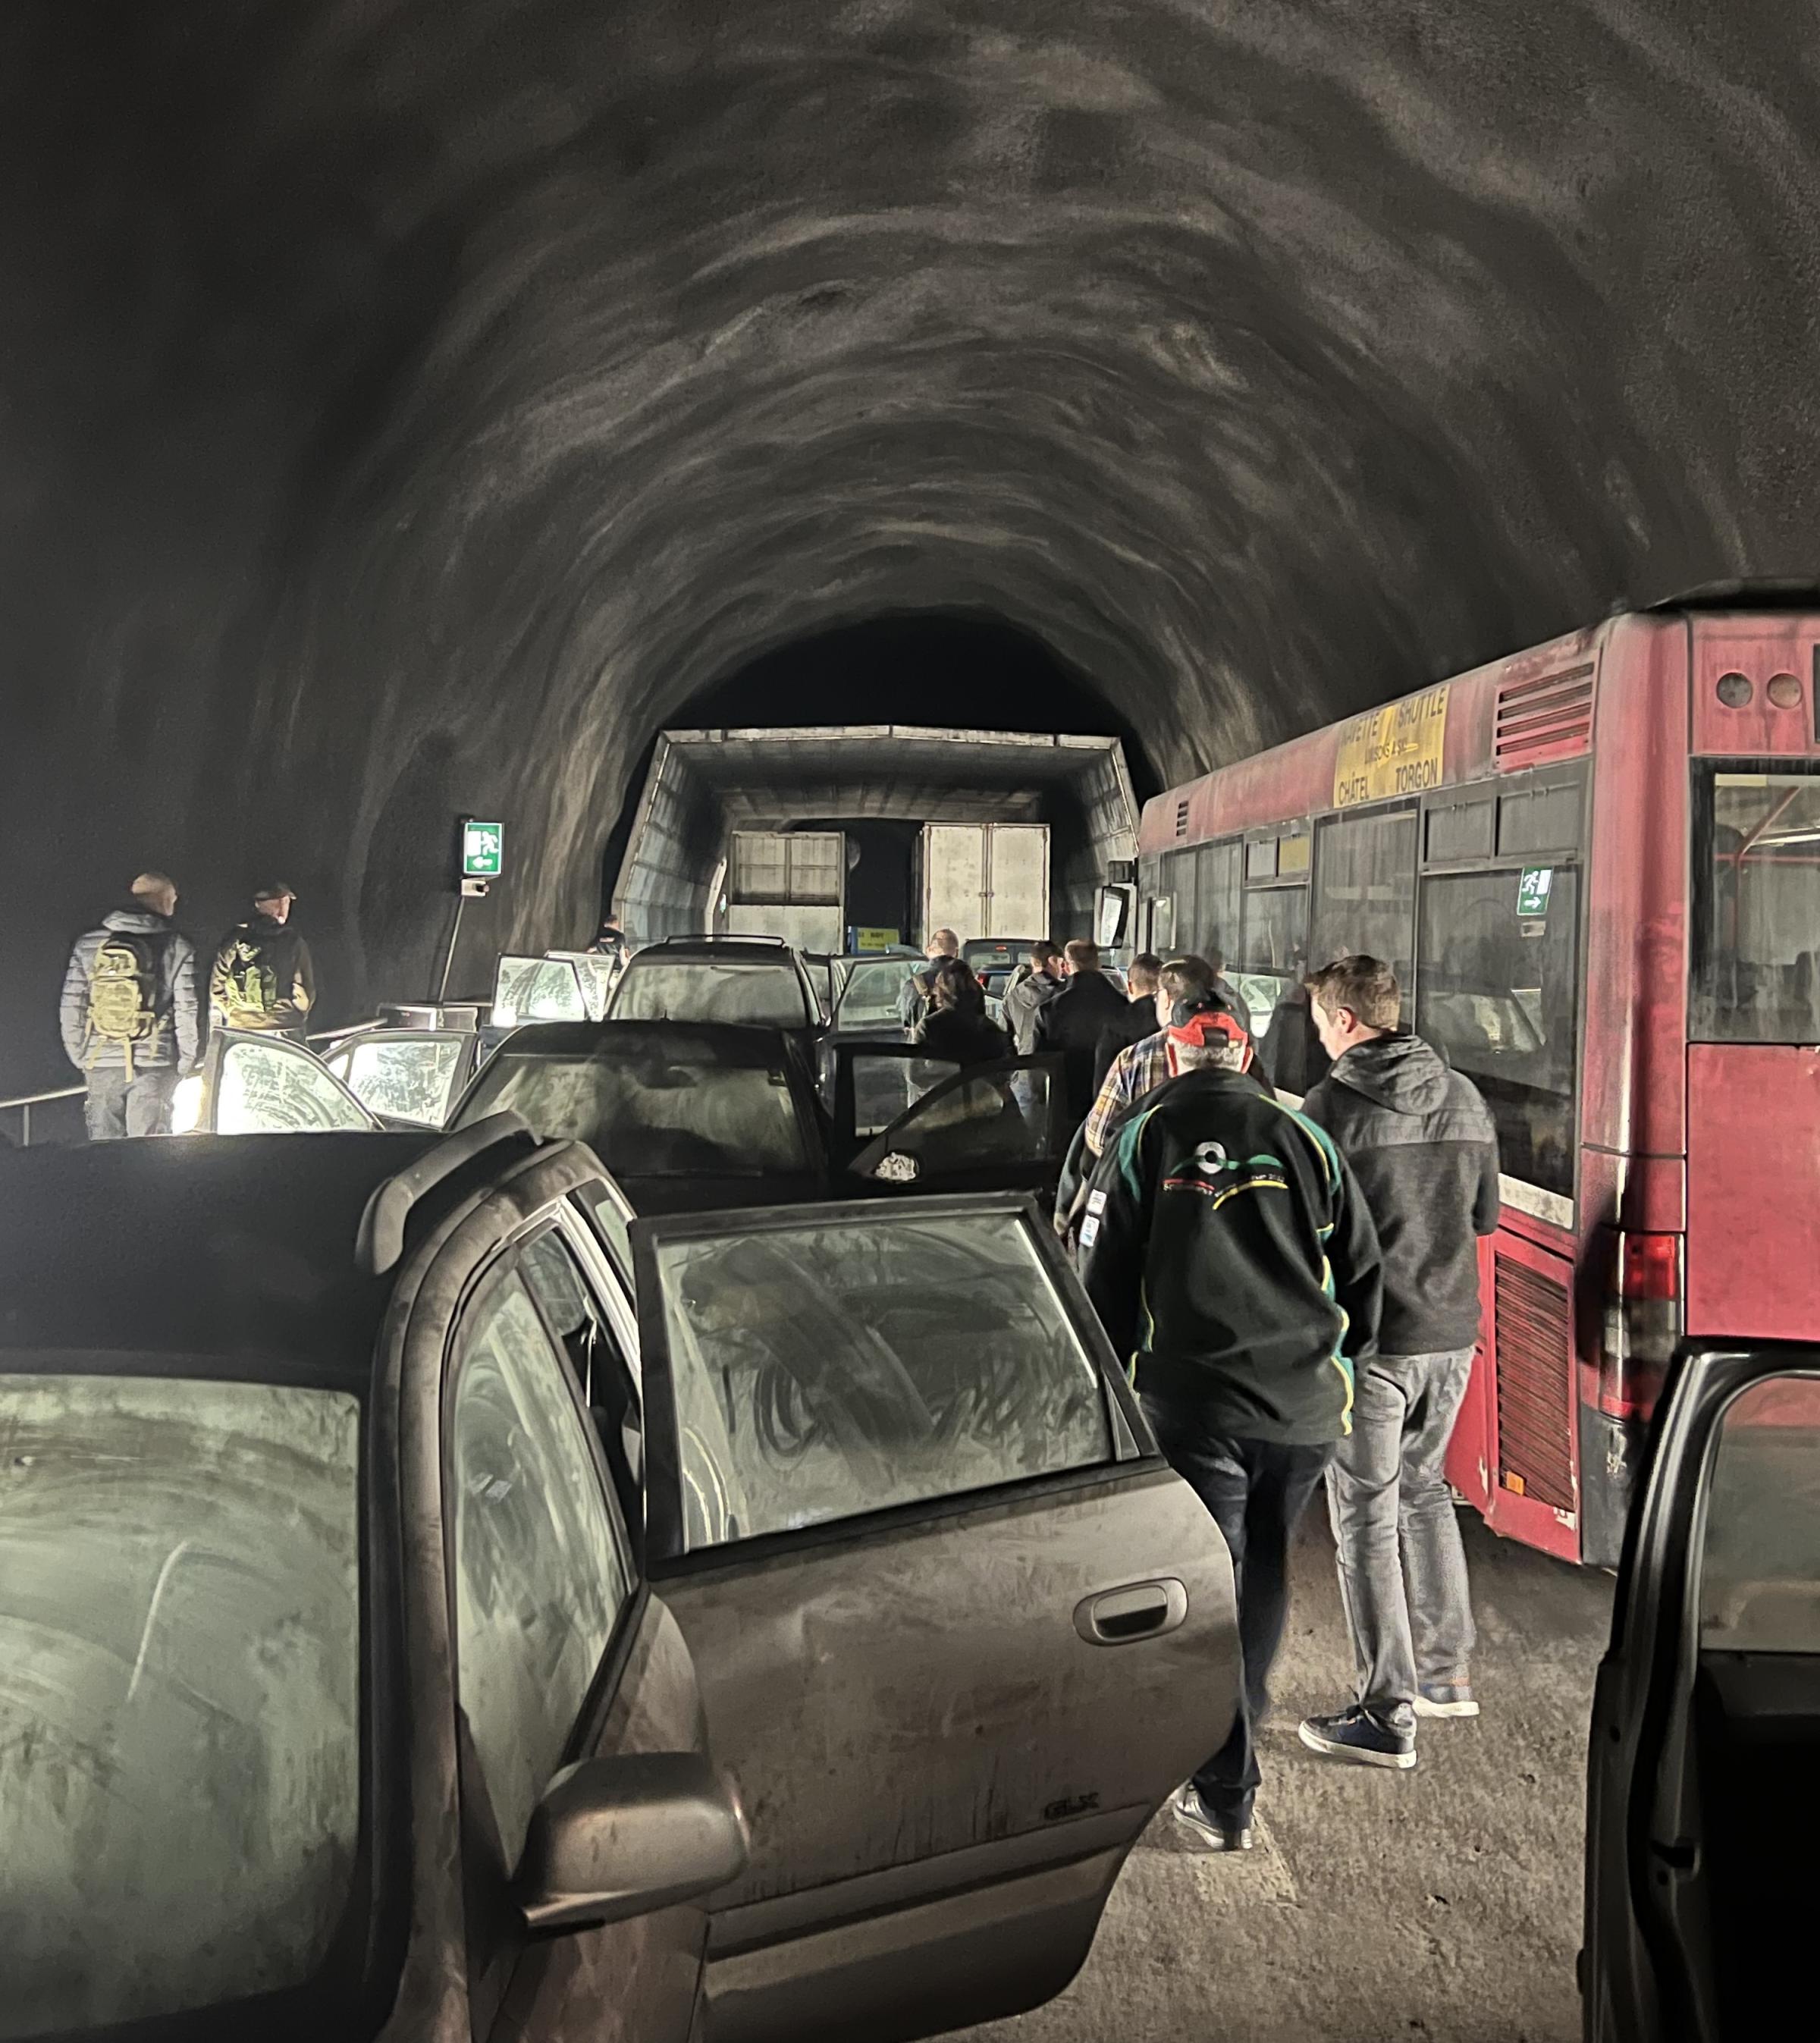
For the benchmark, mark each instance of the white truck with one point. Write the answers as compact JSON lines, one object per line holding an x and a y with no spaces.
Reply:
{"x":986,"y":879}
{"x":788,"y":884}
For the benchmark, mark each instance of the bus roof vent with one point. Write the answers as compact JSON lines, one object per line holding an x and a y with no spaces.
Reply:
{"x":1181,"y":817}
{"x":1549,"y":717}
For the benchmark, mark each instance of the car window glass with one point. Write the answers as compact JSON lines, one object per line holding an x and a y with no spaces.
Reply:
{"x":279,"y":1089}
{"x":413,"y":1079}
{"x":537,"y":990}
{"x":540,"y":1570}
{"x":594,"y":971}
{"x":660,"y":989}
{"x":885,"y":1087}
{"x":180,"y":1692}
{"x":872,"y":994}
{"x":826,"y":1368}
{"x":662,"y":1112}
{"x":1760,"y":1573}
{"x":989,"y":1117}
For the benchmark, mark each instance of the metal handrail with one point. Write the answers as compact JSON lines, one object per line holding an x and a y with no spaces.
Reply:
{"x":23,"y":1102}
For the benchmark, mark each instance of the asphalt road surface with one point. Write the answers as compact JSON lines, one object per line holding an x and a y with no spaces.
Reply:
{"x":1439,"y":1906}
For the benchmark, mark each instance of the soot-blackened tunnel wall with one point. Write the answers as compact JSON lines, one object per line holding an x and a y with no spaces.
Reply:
{"x":408,"y":408}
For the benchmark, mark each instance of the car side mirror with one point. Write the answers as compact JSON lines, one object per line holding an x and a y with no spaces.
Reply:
{"x":614,"y":1838}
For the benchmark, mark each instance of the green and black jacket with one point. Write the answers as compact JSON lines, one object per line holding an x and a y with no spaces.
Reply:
{"x":1232,"y":1260}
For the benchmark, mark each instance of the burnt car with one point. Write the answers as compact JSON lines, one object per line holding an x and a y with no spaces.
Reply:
{"x":404,"y":1637}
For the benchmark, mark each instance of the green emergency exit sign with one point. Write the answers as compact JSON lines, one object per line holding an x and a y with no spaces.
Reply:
{"x":1533,"y":888}
{"x":483,"y":849}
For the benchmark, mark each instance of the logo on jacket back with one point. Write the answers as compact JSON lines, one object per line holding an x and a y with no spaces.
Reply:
{"x":1214,"y":1172}
{"x":247,"y":988}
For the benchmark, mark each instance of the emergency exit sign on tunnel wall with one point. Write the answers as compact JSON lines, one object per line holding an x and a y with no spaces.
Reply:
{"x":483,"y":849}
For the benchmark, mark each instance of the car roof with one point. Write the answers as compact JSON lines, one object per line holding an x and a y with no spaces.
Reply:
{"x":715,"y":1042}
{"x":740,"y":949}
{"x":224,"y":1247}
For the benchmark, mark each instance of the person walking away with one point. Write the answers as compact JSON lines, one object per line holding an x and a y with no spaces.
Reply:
{"x":1232,"y":1260}
{"x":1072,"y":1021}
{"x":1139,"y":1019}
{"x":128,"y":1014}
{"x":263,"y":979}
{"x":609,"y":941}
{"x":1184,"y":986}
{"x":1029,"y":993}
{"x":1423,"y":1146}
{"x":913,"y":1001}
{"x":957,"y":1026}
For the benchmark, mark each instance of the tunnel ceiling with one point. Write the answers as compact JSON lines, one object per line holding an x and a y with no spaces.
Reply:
{"x":408,"y":407}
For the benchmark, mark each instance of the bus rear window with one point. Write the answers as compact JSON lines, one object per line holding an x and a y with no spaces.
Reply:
{"x":1497,"y":992}
{"x":1756,"y":903}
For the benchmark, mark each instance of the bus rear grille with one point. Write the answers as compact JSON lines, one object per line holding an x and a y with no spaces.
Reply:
{"x":1535,"y":1385}
{"x":1550,"y":718}
{"x":1181,"y":818}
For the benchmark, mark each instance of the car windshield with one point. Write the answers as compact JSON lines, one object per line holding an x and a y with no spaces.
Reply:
{"x":180,"y":1692}
{"x":872,"y":992}
{"x":702,"y":989}
{"x":1755,"y":904}
{"x":653,"y":1113}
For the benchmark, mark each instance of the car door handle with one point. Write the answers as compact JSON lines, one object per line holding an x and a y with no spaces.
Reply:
{"x":1140,"y":1610}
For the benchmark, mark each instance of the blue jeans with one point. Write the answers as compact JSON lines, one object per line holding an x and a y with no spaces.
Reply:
{"x":1256,"y":1491}
{"x":1392,"y":1517}
{"x":117,"y":1105}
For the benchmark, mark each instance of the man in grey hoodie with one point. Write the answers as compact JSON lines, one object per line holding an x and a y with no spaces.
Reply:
{"x":1423,"y":1147}
{"x":128,"y":1014}
{"x":1033,"y":987}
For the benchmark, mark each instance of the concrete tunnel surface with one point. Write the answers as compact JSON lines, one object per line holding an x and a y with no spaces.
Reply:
{"x":412,"y":409}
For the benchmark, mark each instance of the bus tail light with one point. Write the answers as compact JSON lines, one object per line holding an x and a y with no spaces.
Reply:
{"x":1642,"y":1323}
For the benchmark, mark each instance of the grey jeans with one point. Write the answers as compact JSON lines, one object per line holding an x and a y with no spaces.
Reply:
{"x":117,"y":1105}
{"x":1393,"y":1516}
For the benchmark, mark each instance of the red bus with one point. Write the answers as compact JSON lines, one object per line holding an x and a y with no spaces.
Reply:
{"x":1595,"y":867}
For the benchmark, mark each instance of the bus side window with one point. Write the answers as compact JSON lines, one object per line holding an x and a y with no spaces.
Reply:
{"x":1498,"y":990}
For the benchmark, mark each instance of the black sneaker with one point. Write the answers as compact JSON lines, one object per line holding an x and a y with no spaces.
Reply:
{"x":1210,"y":1830}
{"x":1447,"y":1699}
{"x":1357,"y":1734}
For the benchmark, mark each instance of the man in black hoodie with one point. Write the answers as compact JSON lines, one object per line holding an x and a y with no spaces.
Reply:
{"x":1424,"y":1148}
{"x":1232,"y":1263}
{"x":263,"y":978}
{"x":1071,"y":1023}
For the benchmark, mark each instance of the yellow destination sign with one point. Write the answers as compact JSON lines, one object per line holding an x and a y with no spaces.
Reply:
{"x":877,"y":940}
{"x":1394,"y":750}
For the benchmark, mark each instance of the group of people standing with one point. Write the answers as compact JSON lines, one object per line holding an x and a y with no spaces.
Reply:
{"x":1295,"y":1290}
{"x":133,"y":1018}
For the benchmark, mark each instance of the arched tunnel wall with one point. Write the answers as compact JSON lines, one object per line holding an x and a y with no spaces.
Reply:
{"x":407,"y":409}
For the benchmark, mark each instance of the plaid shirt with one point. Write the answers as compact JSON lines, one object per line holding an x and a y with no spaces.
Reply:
{"x":1135,"y":1071}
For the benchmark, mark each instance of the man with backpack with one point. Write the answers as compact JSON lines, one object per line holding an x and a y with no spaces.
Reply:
{"x":128,"y":1014}
{"x":263,"y":979}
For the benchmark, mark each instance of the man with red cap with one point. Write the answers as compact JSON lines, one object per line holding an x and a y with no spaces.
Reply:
{"x":1234,"y":1264}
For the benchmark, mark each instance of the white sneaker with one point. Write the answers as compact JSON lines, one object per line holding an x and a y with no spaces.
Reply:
{"x":1447,"y":1699}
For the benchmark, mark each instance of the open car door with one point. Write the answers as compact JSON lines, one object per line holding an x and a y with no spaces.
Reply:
{"x":906,"y":1121}
{"x":959,"y":1630}
{"x":414,"y":1075}
{"x":265,"y":1085}
{"x":1704,"y":1783}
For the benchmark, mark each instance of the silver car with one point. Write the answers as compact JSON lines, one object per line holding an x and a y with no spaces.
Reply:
{"x":405,"y":1635}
